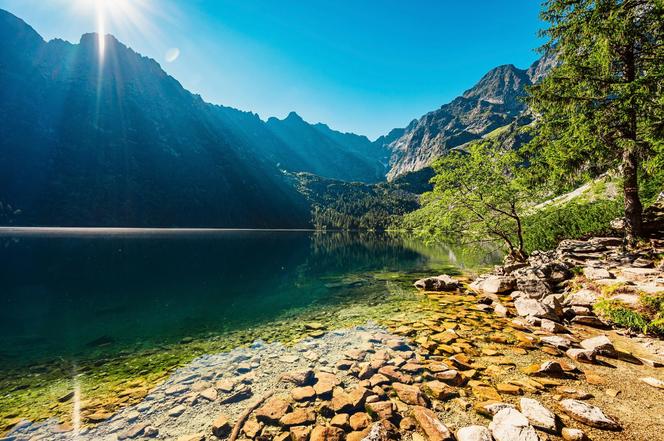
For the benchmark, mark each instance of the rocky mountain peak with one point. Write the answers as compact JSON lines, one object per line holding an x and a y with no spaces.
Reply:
{"x":495,"y":101}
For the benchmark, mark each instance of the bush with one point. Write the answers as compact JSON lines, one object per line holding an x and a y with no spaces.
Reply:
{"x":545,"y":228}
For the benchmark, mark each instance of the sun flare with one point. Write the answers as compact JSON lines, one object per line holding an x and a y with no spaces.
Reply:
{"x":117,"y":16}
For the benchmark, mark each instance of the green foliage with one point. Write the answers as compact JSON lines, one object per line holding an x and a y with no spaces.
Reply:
{"x":649,"y":318}
{"x":546,"y":227}
{"x":603,"y":103}
{"x":621,"y":315}
{"x":357,"y":206}
{"x":478,"y":194}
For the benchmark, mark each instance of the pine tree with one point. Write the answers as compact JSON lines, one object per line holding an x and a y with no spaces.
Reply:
{"x":602,"y":105}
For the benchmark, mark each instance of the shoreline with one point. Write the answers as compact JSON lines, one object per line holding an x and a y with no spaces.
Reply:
{"x":471,"y":358}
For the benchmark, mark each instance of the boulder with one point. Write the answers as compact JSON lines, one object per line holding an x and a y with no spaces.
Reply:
{"x":439,"y":390}
{"x":511,"y":425}
{"x":600,"y":344}
{"x":533,"y":308}
{"x":300,"y":433}
{"x":546,"y":369}
{"x":592,"y":273}
{"x":303,"y":393}
{"x":497,"y":284}
{"x":583,"y":297}
{"x":588,"y":414}
{"x":382,"y":410}
{"x":533,"y":287}
{"x":340,"y":420}
{"x":490,"y":408}
{"x":553,"y":327}
{"x":360,"y":420}
{"x":538,"y":415}
{"x":438,"y":283}
{"x":473,"y":433}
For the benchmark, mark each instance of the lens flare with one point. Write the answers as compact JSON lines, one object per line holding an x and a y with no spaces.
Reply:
{"x":101,"y":27}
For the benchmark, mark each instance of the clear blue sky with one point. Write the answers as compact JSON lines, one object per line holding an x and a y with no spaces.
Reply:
{"x":361,"y":66}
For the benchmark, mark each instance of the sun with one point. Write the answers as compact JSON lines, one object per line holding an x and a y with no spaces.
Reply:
{"x":118,"y":16}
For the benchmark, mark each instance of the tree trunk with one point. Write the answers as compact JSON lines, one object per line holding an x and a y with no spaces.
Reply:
{"x":633,"y":207}
{"x":630,"y":157}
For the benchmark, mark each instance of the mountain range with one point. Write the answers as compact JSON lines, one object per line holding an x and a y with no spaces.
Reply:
{"x":115,"y":141}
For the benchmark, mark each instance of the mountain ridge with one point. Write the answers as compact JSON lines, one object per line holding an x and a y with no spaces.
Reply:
{"x":496,"y":100}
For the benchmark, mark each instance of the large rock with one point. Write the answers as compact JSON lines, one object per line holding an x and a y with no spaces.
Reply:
{"x":600,"y":344}
{"x":583,"y":297}
{"x":588,"y":414}
{"x":438,"y":283}
{"x":497,"y":284}
{"x":533,"y":286}
{"x":640,"y":274}
{"x":538,"y":415}
{"x":592,"y":273}
{"x":432,"y":427}
{"x":533,"y":308}
{"x":511,"y":425}
{"x":473,"y":433}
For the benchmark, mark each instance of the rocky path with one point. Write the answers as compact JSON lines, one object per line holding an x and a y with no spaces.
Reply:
{"x":505,"y":360}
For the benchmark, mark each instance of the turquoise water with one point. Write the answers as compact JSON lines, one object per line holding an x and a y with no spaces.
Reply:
{"x":73,"y":295}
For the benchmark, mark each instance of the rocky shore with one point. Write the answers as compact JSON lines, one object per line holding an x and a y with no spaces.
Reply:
{"x":520,"y":354}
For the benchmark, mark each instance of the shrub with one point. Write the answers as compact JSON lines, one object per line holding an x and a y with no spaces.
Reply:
{"x":574,"y":220}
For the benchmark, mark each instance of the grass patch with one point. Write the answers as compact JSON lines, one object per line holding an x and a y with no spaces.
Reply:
{"x":648,"y":319}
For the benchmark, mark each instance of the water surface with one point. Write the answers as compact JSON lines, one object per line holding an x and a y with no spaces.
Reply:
{"x":77,"y":293}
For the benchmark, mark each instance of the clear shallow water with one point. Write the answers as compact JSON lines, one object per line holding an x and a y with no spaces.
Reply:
{"x":76,"y":294}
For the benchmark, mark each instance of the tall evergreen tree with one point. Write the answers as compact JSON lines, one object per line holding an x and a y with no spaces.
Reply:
{"x":602,"y":105}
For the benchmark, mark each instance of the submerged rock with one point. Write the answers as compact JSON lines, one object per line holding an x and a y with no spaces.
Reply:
{"x":497,"y":284}
{"x":438,"y":283}
{"x":434,"y":429}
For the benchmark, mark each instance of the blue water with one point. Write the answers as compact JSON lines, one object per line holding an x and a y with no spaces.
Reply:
{"x":66,"y":294}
